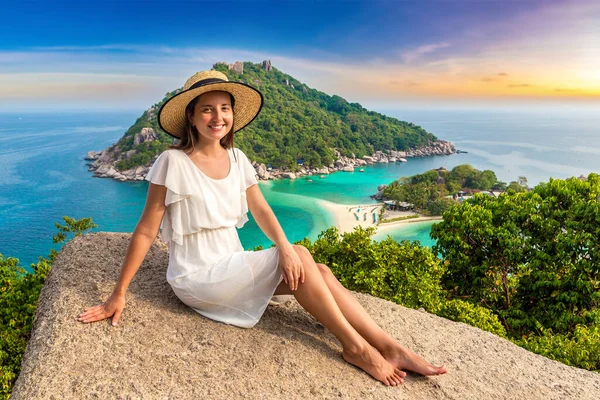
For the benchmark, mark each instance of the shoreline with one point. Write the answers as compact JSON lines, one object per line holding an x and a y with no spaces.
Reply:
{"x":345,"y":216}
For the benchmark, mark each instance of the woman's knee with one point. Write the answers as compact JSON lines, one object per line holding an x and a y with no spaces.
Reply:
{"x":324,"y":270}
{"x":301,"y":251}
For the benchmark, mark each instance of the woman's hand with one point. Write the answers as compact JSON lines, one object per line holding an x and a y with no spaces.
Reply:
{"x":113,"y":307}
{"x":291,"y":266}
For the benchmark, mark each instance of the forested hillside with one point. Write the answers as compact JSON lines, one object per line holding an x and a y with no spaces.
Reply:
{"x":296,"y":123}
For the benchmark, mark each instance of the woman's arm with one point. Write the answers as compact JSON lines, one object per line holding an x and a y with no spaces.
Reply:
{"x":289,"y":261}
{"x":144,"y":234}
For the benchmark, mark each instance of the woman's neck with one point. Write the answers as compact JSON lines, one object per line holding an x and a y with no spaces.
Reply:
{"x":209,"y":151}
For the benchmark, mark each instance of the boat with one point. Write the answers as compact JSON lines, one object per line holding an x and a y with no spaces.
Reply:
{"x":361,"y":170}
{"x":322,"y":176}
{"x":401,"y":160}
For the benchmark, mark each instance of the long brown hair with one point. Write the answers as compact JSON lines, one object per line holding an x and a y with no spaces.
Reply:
{"x":191,"y":136}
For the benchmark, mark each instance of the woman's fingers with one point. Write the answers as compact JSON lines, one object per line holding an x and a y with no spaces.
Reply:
{"x":94,"y":316}
{"x":91,"y":309}
{"x":292,"y":280}
{"x":95,"y":313}
{"x":285,"y":278}
{"x":116,"y":317}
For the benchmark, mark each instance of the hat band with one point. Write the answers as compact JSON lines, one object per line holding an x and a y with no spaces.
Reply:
{"x":206,"y":81}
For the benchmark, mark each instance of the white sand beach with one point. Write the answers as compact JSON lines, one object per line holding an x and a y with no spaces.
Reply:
{"x":348,"y":217}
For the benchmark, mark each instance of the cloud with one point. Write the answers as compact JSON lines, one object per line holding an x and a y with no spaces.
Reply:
{"x":406,"y":83}
{"x":415,"y":54}
{"x":519,"y":85}
{"x":502,"y":74}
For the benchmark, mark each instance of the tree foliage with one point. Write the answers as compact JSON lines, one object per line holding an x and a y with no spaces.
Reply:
{"x":405,"y":273}
{"x":533,"y":258}
{"x":19,"y":293}
{"x":427,"y":191}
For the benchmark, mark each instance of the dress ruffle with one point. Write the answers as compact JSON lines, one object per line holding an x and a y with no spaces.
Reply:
{"x":190,"y":199}
{"x":169,"y":171}
{"x":247,"y":179}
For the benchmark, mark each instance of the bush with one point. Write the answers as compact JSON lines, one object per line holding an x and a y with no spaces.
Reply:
{"x":405,"y":273}
{"x":440,"y":206}
{"x":472,"y":314}
{"x":581,"y":349}
{"x":19,"y":293}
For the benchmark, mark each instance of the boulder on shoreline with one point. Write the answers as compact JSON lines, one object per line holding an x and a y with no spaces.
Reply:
{"x":104,"y":161}
{"x":163,"y":349}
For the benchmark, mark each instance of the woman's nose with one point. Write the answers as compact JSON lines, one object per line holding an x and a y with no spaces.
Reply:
{"x":217,"y":114}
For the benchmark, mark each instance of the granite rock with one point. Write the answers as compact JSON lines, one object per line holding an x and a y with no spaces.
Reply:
{"x":162,"y":349}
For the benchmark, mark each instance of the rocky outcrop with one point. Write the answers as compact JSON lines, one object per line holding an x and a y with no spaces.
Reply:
{"x":438,"y":148}
{"x":379,"y":194}
{"x":145,"y":135}
{"x":104,"y":164}
{"x":161,"y":349}
{"x":237,"y":67}
{"x":267,"y":66}
{"x":92,"y":156}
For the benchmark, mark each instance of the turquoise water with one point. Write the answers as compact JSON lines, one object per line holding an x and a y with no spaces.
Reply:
{"x":411,"y":231}
{"x":43,"y":175}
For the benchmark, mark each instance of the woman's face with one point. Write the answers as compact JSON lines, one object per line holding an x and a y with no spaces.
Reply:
{"x":213,"y":115}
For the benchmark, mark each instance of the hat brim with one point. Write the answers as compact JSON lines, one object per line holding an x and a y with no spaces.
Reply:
{"x":248,"y":103}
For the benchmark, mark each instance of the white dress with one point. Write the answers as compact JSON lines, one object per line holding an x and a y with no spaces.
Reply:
{"x":208,"y":267}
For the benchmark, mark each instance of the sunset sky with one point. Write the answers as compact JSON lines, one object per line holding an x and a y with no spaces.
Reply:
{"x":383,"y":54}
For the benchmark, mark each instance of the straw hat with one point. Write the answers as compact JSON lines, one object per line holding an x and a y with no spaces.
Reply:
{"x":248,"y":101}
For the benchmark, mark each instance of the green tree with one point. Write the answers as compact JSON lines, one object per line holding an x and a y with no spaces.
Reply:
{"x":440,"y":206}
{"x":19,"y":293}
{"x":481,"y":242}
{"x":515,"y":186}
{"x":531,"y":256}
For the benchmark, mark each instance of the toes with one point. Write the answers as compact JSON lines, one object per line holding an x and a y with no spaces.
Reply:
{"x":398,"y":379}
{"x":441,"y":369}
{"x":400,"y":373}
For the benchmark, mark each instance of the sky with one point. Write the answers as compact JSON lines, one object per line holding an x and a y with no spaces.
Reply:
{"x":382,"y":54}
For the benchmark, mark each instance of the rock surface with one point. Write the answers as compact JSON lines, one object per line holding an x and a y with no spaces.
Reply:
{"x":164,"y":350}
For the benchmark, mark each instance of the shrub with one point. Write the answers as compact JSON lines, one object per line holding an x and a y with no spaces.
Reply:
{"x":472,"y":314}
{"x":581,"y":349}
{"x":19,"y":293}
{"x":405,"y":273}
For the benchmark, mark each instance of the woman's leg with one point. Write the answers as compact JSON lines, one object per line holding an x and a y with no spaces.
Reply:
{"x":317,"y":299}
{"x":360,"y":320}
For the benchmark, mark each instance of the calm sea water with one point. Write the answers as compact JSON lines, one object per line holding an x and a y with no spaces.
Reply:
{"x":43,"y":175}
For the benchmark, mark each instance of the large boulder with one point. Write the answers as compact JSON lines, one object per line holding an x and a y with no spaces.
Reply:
{"x":237,"y":67}
{"x":161,"y":349}
{"x":145,"y":135}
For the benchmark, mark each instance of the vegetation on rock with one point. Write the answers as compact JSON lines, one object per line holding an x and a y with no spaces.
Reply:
{"x":19,"y":293}
{"x":428,"y":191}
{"x":533,"y":259}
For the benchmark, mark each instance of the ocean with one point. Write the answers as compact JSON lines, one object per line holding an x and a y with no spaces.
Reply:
{"x":43,"y":174}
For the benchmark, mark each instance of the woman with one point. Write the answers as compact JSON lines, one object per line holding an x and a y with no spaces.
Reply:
{"x":201,"y":190}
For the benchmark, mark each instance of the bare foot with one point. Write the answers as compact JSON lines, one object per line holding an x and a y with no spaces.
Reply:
{"x":370,"y":361}
{"x":403,"y":358}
